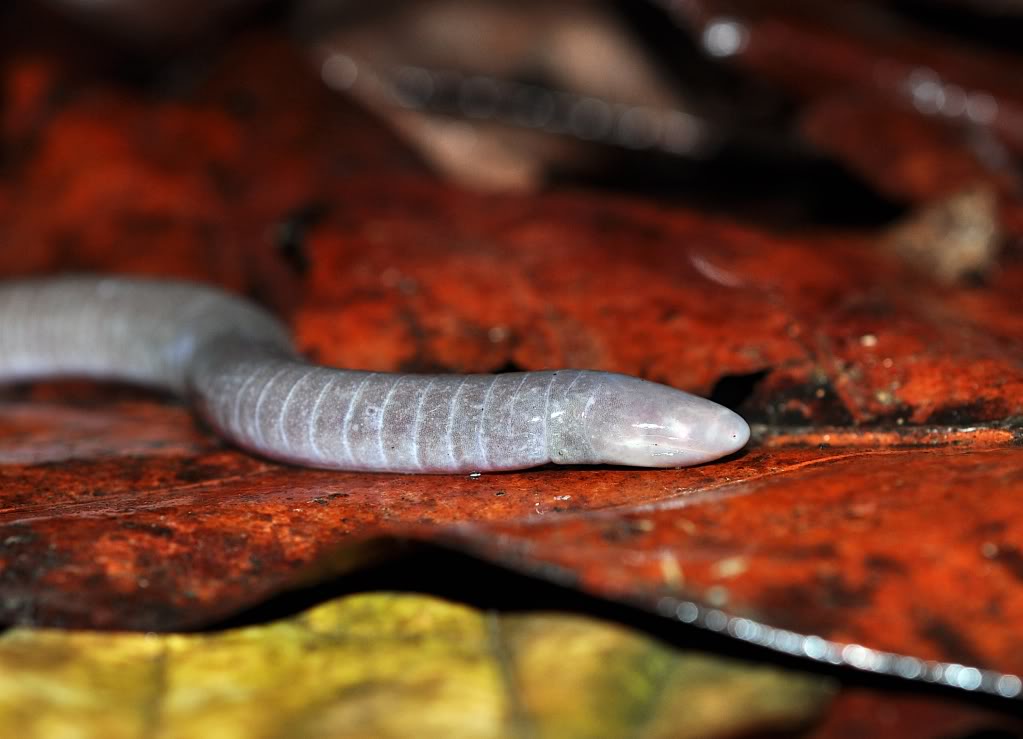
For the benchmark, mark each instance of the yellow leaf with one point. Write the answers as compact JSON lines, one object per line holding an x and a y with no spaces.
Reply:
{"x":389,"y":665}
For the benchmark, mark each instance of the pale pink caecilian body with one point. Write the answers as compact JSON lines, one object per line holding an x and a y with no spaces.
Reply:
{"x":236,"y":364}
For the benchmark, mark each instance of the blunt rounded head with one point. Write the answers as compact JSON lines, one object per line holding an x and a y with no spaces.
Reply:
{"x":645,"y":424}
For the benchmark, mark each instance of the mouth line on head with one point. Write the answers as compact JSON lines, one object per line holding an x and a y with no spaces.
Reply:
{"x":677,"y":450}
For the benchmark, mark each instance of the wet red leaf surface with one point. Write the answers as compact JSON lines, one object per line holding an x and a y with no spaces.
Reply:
{"x":877,"y":505}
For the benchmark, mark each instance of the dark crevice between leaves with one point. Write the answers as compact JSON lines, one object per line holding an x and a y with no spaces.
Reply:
{"x":732,"y":391}
{"x":509,"y":366}
{"x":290,"y":235}
{"x":993,"y":26}
{"x":966,"y":414}
{"x":798,"y":402}
{"x":744,"y":180}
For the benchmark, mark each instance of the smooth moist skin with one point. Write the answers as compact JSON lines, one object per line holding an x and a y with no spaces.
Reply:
{"x":236,"y":363}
